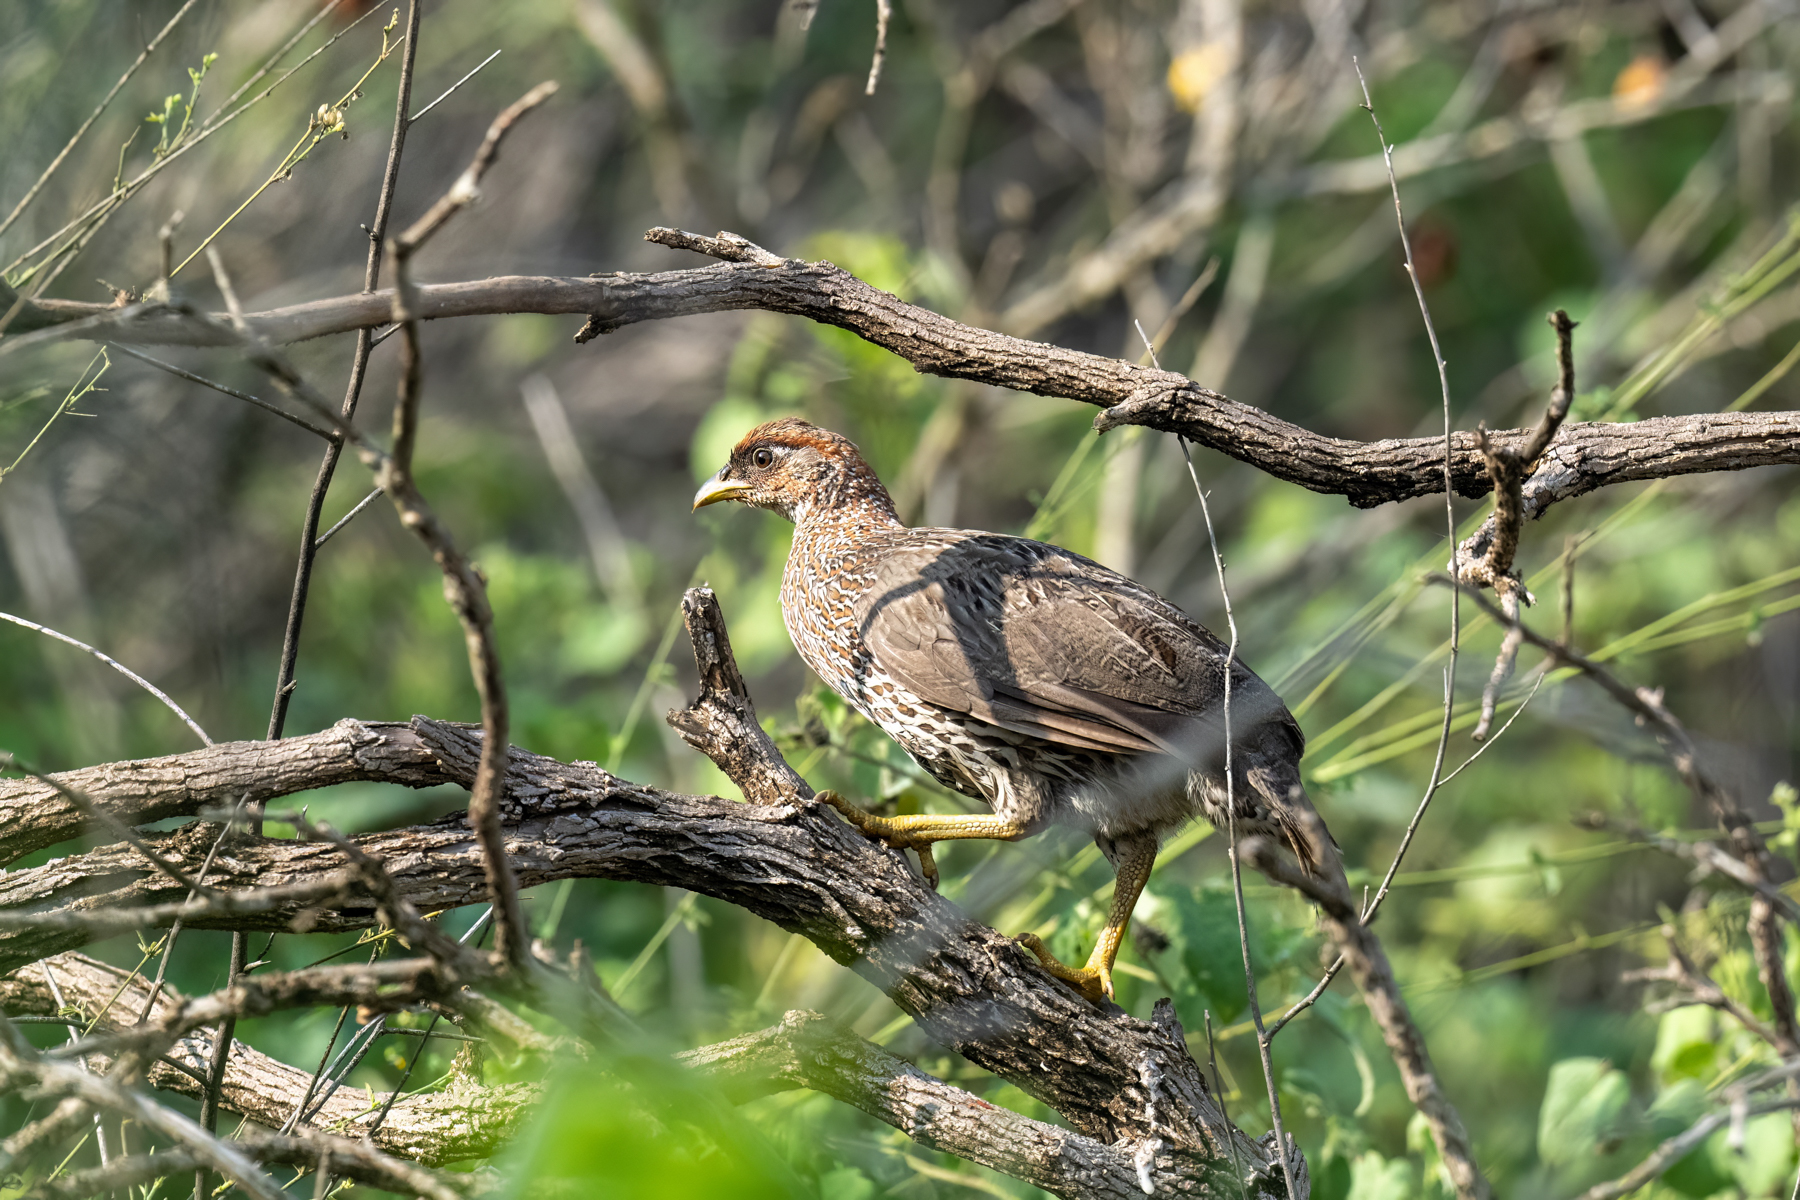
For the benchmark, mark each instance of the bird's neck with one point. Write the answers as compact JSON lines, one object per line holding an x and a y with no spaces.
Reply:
{"x":850,"y":502}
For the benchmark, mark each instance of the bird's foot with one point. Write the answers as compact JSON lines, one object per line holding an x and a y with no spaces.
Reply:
{"x":1093,"y":981}
{"x":886,"y":830}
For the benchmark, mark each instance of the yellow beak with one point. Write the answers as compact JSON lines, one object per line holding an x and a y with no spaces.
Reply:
{"x":715,"y":490}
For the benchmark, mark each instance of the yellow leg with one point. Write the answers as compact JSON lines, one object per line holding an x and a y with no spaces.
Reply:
{"x":917,"y":831}
{"x":1095,"y":980}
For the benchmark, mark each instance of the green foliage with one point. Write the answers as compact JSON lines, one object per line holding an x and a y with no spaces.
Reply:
{"x":1508,"y":926}
{"x":1687,"y":1044}
{"x":605,"y":1139}
{"x":1586,"y":1113}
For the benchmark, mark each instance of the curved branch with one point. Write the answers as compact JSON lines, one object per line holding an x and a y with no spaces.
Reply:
{"x":1585,"y":455}
{"x":805,"y":1050}
{"x":433,"y":1128}
{"x":968,"y":987}
{"x":34,"y":814}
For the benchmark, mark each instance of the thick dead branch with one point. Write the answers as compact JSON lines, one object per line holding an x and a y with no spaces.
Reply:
{"x":806,"y":1050}
{"x":23,"y":1068}
{"x":722,"y":721}
{"x":968,"y":987}
{"x":329,"y":892}
{"x":1368,"y":962}
{"x":470,"y":1120}
{"x":1587,"y":456}
{"x":34,"y":814}
{"x":464,"y":1121}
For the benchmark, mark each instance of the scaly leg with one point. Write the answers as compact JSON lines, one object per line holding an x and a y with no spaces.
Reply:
{"x":1094,"y":981}
{"x":917,"y":831}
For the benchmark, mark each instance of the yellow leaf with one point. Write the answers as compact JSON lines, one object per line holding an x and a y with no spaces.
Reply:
{"x":1640,"y":84}
{"x":1195,"y":72}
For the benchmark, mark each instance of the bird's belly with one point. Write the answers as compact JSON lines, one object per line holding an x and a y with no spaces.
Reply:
{"x":1127,"y":795}
{"x":1036,"y":783}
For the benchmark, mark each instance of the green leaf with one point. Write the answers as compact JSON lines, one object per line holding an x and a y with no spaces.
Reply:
{"x":1766,"y":1161}
{"x":1203,"y":938}
{"x":1586,"y":1111}
{"x":846,"y":1183}
{"x":1373,"y":1177}
{"x":1687,"y":1043}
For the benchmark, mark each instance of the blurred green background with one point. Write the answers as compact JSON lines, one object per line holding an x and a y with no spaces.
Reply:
{"x":1059,"y":170}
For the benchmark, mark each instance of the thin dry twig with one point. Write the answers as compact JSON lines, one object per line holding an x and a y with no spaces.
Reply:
{"x":118,"y":666}
{"x":1740,"y":831}
{"x":1693,"y":986}
{"x":374,"y":494}
{"x":1446,"y":1127}
{"x":191,"y":377}
{"x":449,"y":91}
{"x":884,"y":12}
{"x":149,"y":49}
{"x":1237,"y":871}
{"x":463,"y":586}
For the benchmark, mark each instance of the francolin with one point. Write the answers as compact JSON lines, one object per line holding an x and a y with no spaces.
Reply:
{"x":1036,"y":680}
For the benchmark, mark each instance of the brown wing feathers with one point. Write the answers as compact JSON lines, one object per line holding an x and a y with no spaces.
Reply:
{"x":1040,"y":641}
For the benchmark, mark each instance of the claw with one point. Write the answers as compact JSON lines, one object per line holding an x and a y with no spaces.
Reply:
{"x":1093,"y":981}
{"x":927,"y":864}
{"x":880,"y":829}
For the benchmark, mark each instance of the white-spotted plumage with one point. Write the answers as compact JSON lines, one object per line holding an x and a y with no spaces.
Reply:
{"x":1017,"y":672}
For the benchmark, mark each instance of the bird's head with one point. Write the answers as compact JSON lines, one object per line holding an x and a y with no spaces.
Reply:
{"x":795,"y":468}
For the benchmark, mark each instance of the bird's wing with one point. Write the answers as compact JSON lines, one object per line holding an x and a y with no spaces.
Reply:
{"x":1041,"y":641}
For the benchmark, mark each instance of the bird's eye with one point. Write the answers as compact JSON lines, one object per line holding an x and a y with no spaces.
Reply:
{"x":763,"y":457}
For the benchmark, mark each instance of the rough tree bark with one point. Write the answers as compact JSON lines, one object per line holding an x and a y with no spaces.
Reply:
{"x":1129,"y":1087}
{"x":1141,"y":1108}
{"x":1585,"y":456}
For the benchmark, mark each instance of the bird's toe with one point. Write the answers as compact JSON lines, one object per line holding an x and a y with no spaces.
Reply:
{"x":1094,"y":983}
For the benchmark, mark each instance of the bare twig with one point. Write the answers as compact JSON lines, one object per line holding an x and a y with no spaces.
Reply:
{"x":1362,"y":952}
{"x":149,"y":49}
{"x":884,"y":12}
{"x":20,"y":1065}
{"x":1709,"y":858}
{"x":1746,"y":843}
{"x":452,"y":88}
{"x":1237,"y":872}
{"x":463,"y":587}
{"x":1357,"y":944}
{"x":309,"y":525}
{"x":1437,"y":356}
{"x":191,"y":377}
{"x":1678,"y":1147}
{"x":1694,"y":987}
{"x":348,"y":517}
{"x":118,"y":666}
{"x":309,"y":541}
